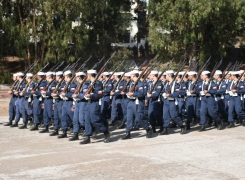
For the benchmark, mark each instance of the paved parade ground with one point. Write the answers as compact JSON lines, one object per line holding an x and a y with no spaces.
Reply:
{"x":208,"y":155}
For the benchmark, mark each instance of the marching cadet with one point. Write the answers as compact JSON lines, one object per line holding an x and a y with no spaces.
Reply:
{"x":12,"y":106}
{"x":125,"y":100}
{"x":68,"y":107}
{"x":20,"y":99}
{"x":236,"y":91}
{"x":208,"y":104}
{"x":80,"y":105}
{"x":116,"y":104}
{"x":219,"y":96}
{"x":28,"y":99}
{"x":135,"y":109}
{"x":105,"y":100}
{"x":58,"y":102}
{"x":170,"y":108}
{"x":154,"y":99}
{"x":38,"y":105}
{"x":226,"y":95}
{"x":48,"y":112}
{"x":92,"y":110}
{"x":182,"y":94}
{"x":192,"y":101}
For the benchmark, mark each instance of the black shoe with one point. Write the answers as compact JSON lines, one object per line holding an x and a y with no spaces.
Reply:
{"x":34,"y":127}
{"x":188,"y":126}
{"x":121,"y":126}
{"x":214,"y":124}
{"x":74,"y":137}
{"x":220,"y":125}
{"x":94,"y":134}
{"x":241,"y":121}
{"x":63,"y":135}
{"x":86,"y":140}
{"x":111,"y":123}
{"x":127,"y":136}
{"x":107,"y":136}
{"x":182,"y":129}
{"x":154,"y":129}
{"x":172,"y":125}
{"x":8,"y":124}
{"x":202,"y":128}
{"x":231,"y":125}
{"x":135,"y":129}
{"x":14,"y":125}
{"x":149,"y":133}
{"x":54,"y":133}
{"x":160,"y":130}
{"x":24,"y":126}
{"x":164,"y":131}
{"x":44,"y":130}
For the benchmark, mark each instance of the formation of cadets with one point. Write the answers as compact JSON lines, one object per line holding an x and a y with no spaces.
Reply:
{"x":93,"y":101}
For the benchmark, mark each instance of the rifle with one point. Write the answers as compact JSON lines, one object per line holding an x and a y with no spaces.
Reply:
{"x":225,"y":72}
{"x":59,"y":66}
{"x":235,"y":86}
{"x":16,"y":81}
{"x":34,"y":64}
{"x":200,"y":71}
{"x":112,"y":74}
{"x":38,"y":84}
{"x":99,"y":73}
{"x":69,"y":82}
{"x":158,"y":78}
{"x":177,"y":73}
{"x":217,"y":65}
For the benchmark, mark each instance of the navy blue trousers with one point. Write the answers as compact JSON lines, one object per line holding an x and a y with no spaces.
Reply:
{"x":12,"y":108}
{"x":57,"y":114}
{"x":67,"y":115}
{"x":93,"y":118}
{"x":135,"y":111}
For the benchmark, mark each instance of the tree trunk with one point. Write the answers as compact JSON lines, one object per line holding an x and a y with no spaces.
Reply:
{"x":34,"y":29}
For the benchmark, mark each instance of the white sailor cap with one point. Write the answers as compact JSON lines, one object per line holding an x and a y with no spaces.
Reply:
{"x":191,"y":73}
{"x":127,"y":74}
{"x":91,"y":71}
{"x":241,"y":71}
{"x":49,"y":73}
{"x":135,"y":72}
{"x":118,"y":73}
{"x":15,"y":74}
{"x":154,"y":72}
{"x":80,"y":74}
{"x":235,"y":72}
{"x":20,"y":74}
{"x":40,"y":73}
{"x":29,"y":75}
{"x":159,"y":72}
{"x":217,"y":72}
{"x":205,"y":72}
{"x":67,"y":72}
{"x":111,"y":73}
{"x":105,"y":74}
{"x":170,"y":72}
{"x":180,"y":73}
{"x":59,"y":73}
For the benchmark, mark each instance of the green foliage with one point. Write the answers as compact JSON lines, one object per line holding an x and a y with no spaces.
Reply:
{"x":195,"y":28}
{"x":49,"y":23}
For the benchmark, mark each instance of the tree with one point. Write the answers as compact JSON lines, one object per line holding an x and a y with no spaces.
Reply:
{"x":42,"y":30}
{"x":195,"y":29}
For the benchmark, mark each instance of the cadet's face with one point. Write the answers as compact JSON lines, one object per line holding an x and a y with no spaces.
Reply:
{"x":14,"y":78}
{"x":216,"y":76}
{"x":203,"y":77}
{"x":190,"y":77}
